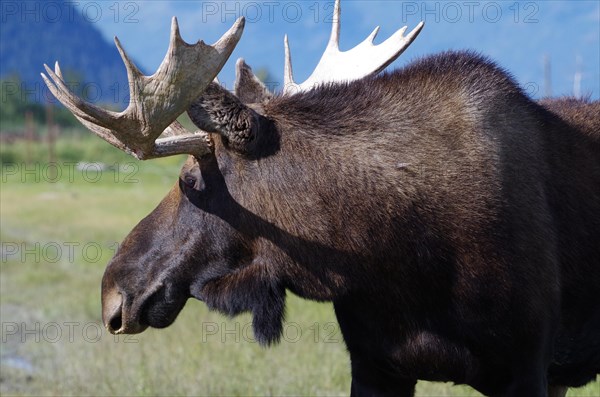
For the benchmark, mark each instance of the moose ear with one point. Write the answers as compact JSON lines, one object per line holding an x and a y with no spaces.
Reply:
{"x":248,"y":88}
{"x":219,"y":111}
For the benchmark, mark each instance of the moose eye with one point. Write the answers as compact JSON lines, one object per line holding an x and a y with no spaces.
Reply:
{"x":190,"y":181}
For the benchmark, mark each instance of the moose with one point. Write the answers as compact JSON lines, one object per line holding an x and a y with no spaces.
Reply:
{"x":453,"y":221}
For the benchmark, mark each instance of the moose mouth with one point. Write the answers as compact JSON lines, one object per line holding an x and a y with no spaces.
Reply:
{"x":157,"y":308}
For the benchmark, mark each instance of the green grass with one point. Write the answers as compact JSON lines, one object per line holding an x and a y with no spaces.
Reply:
{"x":53,"y":342}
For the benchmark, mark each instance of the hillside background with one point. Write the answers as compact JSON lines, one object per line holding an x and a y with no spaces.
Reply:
{"x":38,"y":32}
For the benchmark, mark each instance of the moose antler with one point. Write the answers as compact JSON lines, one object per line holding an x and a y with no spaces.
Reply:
{"x":155,"y":101}
{"x":363,"y":60}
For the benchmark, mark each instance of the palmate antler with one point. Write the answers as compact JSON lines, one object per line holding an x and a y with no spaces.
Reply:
{"x":363,"y":60}
{"x":155,"y":101}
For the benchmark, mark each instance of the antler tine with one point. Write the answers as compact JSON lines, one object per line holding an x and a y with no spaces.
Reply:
{"x":78,"y":106}
{"x":334,"y":39}
{"x":88,"y":114}
{"x":288,"y":73}
{"x":363,"y":60}
{"x":133,"y":72}
{"x":155,"y":101}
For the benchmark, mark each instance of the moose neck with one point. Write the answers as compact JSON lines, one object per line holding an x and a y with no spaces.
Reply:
{"x":340,"y":151}
{"x":308,"y":201}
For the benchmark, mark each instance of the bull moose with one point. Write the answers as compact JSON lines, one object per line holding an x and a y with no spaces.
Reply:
{"x":453,"y":221}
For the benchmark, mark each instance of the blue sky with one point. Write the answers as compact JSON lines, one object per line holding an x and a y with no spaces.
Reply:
{"x":518,"y":35}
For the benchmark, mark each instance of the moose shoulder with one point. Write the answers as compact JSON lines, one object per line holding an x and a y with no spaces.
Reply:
{"x":452,"y":221}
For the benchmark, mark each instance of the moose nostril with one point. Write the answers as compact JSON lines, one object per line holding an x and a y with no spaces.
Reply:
{"x":112,"y":310}
{"x":116,"y":322}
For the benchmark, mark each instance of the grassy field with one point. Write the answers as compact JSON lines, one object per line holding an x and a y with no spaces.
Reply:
{"x":60,"y":226}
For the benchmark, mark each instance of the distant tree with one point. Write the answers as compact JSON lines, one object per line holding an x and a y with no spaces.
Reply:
{"x":16,"y":101}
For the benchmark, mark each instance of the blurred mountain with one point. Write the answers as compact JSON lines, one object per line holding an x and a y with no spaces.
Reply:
{"x":36,"y":32}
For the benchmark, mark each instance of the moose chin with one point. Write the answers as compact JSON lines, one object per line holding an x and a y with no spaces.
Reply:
{"x":453,"y":221}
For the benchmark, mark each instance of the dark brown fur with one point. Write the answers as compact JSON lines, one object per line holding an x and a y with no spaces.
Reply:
{"x":453,"y":222}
